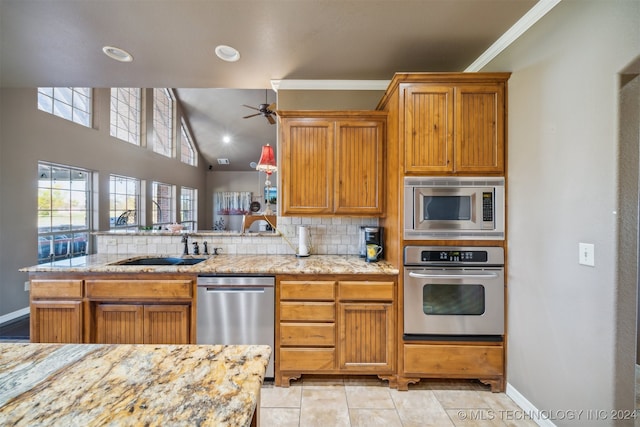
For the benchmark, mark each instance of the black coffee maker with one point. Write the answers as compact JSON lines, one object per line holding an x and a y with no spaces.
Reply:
{"x":373,"y":242}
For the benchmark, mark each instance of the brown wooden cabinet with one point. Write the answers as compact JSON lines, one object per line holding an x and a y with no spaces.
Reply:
{"x":335,"y":326}
{"x":56,"y":311}
{"x":140,"y":311}
{"x":118,"y":309}
{"x":332,"y":162}
{"x":447,"y":123}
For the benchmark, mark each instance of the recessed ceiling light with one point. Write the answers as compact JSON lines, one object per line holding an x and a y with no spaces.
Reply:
{"x":227,"y":53}
{"x":117,"y":54}
{"x":226,"y":139}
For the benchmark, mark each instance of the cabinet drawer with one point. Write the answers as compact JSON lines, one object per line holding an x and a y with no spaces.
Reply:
{"x":53,"y":289}
{"x":307,"y":311}
{"x":307,"y":334}
{"x":464,"y":360}
{"x":365,"y":291}
{"x":139,"y":289}
{"x":307,"y":290}
{"x":307,"y":359}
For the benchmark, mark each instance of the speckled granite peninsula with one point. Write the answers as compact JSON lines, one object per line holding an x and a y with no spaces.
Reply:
{"x":160,"y":385}
{"x":244,"y":264}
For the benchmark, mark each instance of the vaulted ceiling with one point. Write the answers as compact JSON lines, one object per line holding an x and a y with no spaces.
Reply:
{"x":59,"y":43}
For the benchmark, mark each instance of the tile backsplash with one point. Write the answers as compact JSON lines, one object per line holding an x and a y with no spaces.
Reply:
{"x":329,"y":235}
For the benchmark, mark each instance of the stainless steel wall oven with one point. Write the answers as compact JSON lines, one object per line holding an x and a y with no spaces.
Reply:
{"x":453,"y":292}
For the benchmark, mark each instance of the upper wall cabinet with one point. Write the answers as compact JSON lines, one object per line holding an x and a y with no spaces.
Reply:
{"x":450,"y":123}
{"x":331,"y":162}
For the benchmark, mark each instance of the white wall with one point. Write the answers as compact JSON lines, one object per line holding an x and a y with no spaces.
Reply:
{"x":27,"y":136}
{"x":564,"y":336}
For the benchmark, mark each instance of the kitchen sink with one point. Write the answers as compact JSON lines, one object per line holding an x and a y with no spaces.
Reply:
{"x":160,"y":261}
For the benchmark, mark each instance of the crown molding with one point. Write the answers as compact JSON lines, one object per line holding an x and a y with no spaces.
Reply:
{"x":523,"y":24}
{"x":329,"y":84}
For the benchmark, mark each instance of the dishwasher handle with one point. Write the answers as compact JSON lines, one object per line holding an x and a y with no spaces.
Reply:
{"x":234,"y":290}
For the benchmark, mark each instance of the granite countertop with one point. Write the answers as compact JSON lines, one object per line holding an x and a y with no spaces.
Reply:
{"x":226,"y":264}
{"x":114,"y":384}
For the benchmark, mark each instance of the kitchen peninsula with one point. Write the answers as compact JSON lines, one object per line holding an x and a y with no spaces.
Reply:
{"x":100,"y":384}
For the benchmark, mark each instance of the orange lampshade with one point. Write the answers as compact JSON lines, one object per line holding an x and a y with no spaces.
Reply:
{"x":267,"y":162}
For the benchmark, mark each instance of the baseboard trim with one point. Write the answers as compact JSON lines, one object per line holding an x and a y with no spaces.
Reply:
{"x":529,"y":408}
{"x":14,"y":315}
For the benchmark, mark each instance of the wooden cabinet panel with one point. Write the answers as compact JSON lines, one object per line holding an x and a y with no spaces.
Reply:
{"x":366,"y":291}
{"x":56,"y":321}
{"x":332,"y":162}
{"x":479,"y":137}
{"x":429,"y":128}
{"x":166,"y":324}
{"x":307,"y":311}
{"x":136,"y":289}
{"x":307,"y":166}
{"x":307,"y":290}
{"x":453,"y":360}
{"x":53,"y":289}
{"x":307,"y":334}
{"x":119,"y":324}
{"x":307,"y":359}
{"x":358,"y":167}
{"x":367,"y":337}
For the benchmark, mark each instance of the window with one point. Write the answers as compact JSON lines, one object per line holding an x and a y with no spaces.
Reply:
{"x":124,"y":202}
{"x":70,"y":103}
{"x":187,"y":151}
{"x":64,"y":207}
{"x":125,"y":114}
{"x":189,"y":208}
{"x":163,"y":203}
{"x":163,"y":122}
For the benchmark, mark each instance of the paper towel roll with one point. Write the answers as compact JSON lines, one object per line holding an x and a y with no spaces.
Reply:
{"x":303,"y":240}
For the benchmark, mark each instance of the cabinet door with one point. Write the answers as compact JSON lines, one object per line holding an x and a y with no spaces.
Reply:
{"x":56,"y":322}
{"x":479,"y":129}
{"x":366,"y":337}
{"x":119,"y":323}
{"x":166,"y":324}
{"x":358,"y":167}
{"x":428,"y":137}
{"x":307,"y":166}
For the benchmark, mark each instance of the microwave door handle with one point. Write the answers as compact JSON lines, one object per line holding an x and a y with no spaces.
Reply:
{"x":453,"y":276}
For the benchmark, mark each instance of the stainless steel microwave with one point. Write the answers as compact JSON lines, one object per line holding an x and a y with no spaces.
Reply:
{"x":454,"y":208}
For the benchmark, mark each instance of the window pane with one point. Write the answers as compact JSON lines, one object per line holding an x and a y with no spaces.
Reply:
{"x":162,"y":122}
{"x":68,"y":103}
{"x":125,"y":114}
{"x":124,"y":200}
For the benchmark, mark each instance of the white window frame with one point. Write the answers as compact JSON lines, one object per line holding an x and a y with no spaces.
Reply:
{"x":124,"y":202}
{"x":189,"y":208}
{"x":70,"y":103}
{"x":64,"y":211}
{"x":163,"y":198}
{"x":164,"y":111}
{"x":125,"y":114}
{"x":188,"y":153}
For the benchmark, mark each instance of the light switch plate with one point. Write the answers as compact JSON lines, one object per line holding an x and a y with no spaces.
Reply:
{"x":586,"y":254}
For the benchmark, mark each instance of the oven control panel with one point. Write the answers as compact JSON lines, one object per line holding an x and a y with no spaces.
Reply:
{"x":449,"y":255}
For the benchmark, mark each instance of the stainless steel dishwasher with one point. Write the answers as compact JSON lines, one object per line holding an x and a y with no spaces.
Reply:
{"x":236,"y":310}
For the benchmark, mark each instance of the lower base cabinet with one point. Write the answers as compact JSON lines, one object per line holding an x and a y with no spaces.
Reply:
{"x":56,"y":311}
{"x":482,"y":361}
{"x":335,"y":326}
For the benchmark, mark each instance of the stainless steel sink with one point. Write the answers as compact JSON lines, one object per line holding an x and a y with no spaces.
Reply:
{"x":160,"y":261}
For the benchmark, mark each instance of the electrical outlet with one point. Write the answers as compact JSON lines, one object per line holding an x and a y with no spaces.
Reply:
{"x":586,"y":254}
{"x":27,"y":286}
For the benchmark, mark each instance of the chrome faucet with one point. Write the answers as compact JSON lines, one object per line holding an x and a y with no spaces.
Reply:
{"x":185,"y":240}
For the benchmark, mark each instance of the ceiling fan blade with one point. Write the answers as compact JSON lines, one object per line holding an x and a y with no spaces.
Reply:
{"x":270,"y":119}
{"x":252,"y":115}
{"x":271,"y":107}
{"x":249,"y":106}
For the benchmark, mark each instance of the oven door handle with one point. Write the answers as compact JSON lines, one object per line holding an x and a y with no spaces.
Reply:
{"x":453,"y":276}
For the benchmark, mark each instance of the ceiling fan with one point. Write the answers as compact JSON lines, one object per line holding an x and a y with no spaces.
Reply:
{"x":266,"y":110}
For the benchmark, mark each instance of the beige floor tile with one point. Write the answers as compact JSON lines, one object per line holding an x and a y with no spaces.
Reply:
{"x":363,"y":397}
{"x":474,"y":417}
{"x":414,"y":399}
{"x":280,"y":397}
{"x":424,"y":417}
{"x":458,"y":399}
{"x":374,"y":417}
{"x":280,"y":417}
{"x":324,"y":406}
